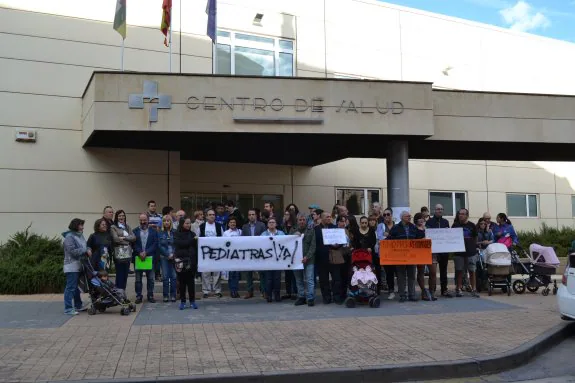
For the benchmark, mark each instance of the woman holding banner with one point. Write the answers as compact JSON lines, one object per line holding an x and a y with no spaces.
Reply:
{"x":273,"y":277}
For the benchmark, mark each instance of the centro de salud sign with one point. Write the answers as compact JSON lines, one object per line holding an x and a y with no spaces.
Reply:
{"x":315,"y":105}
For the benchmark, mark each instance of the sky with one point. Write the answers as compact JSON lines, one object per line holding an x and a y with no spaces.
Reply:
{"x":550,"y":18}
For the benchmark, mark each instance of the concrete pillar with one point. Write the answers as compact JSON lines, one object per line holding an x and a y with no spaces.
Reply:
{"x":398,"y":177}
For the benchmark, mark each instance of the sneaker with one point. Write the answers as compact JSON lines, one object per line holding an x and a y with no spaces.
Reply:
{"x":166,"y":299}
{"x":426,"y":295}
{"x":446,"y":294}
{"x":433,"y":297}
{"x":219,"y":295}
{"x":151,"y":300}
{"x":311,"y":303}
{"x":182,"y":305}
{"x":475,"y":294}
{"x":173,"y":299}
{"x":205,"y":296}
{"x":299,"y":302}
{"x":138,"y":300}
{"x":71,"y":312}
{"x":193,"y":305}
{"x":402,"y":299}
{"x":391,"y":296}
{"x":458,"y":293}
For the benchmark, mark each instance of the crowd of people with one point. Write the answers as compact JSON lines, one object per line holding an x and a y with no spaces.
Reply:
{"x":167,"y":243}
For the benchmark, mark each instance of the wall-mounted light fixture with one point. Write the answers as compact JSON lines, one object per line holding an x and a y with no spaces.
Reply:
{"x":258,"y":19}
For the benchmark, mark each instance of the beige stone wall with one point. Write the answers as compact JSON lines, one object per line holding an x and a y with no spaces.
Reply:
{"x":50,"y":48}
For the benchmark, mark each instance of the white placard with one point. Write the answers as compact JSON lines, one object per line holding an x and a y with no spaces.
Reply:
{"x":282,"y":252}
{"x":334,"y":236}
{"x":446,"y":240}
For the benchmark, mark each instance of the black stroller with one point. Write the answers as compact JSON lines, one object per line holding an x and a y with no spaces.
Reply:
{"x":102,"y":295}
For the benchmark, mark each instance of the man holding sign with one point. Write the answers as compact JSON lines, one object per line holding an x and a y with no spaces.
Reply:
{"x":406,"y":273}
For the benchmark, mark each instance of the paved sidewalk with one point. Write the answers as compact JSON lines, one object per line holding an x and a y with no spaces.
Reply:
{"x":38,"y":343}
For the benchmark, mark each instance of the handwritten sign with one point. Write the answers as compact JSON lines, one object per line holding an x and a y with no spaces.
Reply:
{"x":250,"y":253}
{"x":334,"y":236}
{"x":446,"y":240}
{"x":405,"y":252}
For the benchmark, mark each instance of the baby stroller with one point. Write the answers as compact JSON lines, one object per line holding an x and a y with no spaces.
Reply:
{"x":498,"y":262}
{"x":363,"y":285}
{"x":103,"y":294}
{"x":538,"y":266}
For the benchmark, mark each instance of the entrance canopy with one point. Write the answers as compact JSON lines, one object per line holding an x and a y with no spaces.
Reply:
{"x":309,"y":121}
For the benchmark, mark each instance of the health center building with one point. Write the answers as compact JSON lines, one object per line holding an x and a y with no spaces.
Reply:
{"x":304,"y":101}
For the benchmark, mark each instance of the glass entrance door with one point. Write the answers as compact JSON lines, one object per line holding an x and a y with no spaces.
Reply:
{"x":191,"y":202}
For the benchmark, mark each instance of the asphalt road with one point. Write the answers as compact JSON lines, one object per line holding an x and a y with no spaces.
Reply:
{"x":555,"y":366}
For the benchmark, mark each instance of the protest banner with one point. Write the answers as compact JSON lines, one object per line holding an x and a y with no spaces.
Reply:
{"x":250,"y":253}
{"x":446,"y":240}
{"x":334,"y":236}
{"x":405,"y":252}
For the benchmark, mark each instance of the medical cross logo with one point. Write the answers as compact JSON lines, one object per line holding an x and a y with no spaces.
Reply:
{"x":156,"y":100}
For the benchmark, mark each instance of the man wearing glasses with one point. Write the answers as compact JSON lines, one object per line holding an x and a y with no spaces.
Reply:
{"x":438,"y":222}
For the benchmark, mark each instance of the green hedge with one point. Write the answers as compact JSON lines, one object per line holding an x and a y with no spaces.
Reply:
{"x":560,"y":239}
{"x":31,"y":264}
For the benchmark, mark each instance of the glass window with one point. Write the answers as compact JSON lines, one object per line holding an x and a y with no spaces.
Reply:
{"x":254,"y":62}
{"x":286,"y":64}
{"x":224,"y":59}
{"x":522,"y":205}
{"x":451,"y":201}
{"x":252,"y":55}
{"x":286,"y":44}
{"x":357,"y":201}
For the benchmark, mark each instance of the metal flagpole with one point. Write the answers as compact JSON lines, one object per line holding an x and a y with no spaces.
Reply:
{"x":180,"y":36}
{"x":215,"y":50}
{"x":123,"y":54}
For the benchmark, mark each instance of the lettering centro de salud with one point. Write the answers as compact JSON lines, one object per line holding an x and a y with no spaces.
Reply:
{"x":315,"y":105}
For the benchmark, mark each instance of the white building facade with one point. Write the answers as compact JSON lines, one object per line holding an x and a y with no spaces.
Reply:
{"x":51,"y":49}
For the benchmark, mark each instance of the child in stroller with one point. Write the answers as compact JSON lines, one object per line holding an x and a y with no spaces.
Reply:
{"x":363,"y":285}
{"x":103,"y":292}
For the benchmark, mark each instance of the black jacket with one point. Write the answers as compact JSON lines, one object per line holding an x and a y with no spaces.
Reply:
{"x":399,"y":231}
{"x":219,"y":229}
{"x":186,"y":248}
{"x":321,"y":250}
{"x":437,"y":223}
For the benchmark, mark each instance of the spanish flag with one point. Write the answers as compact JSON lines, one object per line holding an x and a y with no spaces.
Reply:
{"x":120,"y":18}
{"x":166,"y":19}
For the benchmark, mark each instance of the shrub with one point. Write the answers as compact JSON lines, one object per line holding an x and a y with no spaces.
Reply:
{"x":31,"y":264}
{"x":560,"y":239}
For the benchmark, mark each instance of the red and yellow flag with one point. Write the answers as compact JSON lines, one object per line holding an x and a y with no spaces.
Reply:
{"x":166,"y":19}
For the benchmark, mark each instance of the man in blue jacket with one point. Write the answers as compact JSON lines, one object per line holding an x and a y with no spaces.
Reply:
{"x":438,"y":222}
{"x":145,"y":247}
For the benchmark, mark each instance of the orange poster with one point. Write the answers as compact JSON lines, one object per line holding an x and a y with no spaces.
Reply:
{"x":405,"y":252}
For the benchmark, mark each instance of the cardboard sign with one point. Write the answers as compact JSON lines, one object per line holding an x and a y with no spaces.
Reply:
{"x":334,"y":236}
{"x":446,"y":240}
{"x":405,"y":252}
{"x":281,"y":252}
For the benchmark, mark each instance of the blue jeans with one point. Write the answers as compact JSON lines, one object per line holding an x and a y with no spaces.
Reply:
{"x":122,"y":274}
{"x":234,"y":281}
{"x":168,"y":278}
{"x":305,"y":280}
{"x":149,"y":282}
{"x":72,"y":293}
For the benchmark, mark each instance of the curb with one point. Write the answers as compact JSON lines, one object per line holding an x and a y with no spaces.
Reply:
{"x":387,"y":373}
